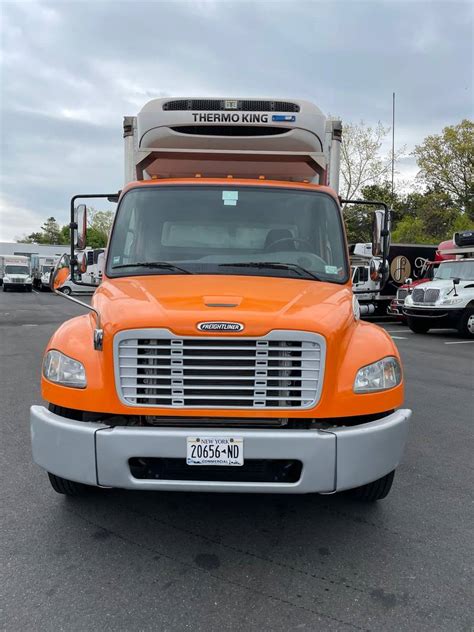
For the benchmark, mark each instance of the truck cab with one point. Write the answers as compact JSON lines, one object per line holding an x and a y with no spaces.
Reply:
{"x":15,"y":273}
{"x":446,"y":302}
{"x":224,"y":349}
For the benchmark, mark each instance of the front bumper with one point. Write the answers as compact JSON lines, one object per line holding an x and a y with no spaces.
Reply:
{"x":438,"y":316}
{"x":333,"y":459}
{"x":18,"y":286}
{"x":396,"y":309}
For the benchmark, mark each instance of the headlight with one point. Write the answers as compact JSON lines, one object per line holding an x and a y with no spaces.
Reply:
{"x":6,"y":278}
{"x":28,"y":280}
{"x":452,"y":301}
{"x":378,"y":376}
{"x":61,"y":369}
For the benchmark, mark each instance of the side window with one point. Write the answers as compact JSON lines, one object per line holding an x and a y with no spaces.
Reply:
{"x":363,"y":274}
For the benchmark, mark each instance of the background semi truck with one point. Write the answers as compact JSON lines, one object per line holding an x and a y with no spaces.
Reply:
{"x":15,"y":273}
{"x":404,"y":261}
{"x":224,"y":350}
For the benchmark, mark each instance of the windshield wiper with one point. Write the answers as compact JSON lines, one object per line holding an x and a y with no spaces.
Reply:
{"x":154,"y":264}
{"x":271,"y":264}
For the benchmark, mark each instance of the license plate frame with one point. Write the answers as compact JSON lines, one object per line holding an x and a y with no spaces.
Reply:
{"x":227,"y":451}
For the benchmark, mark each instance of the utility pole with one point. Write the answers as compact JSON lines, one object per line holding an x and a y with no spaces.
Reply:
{"x":393,"y":143}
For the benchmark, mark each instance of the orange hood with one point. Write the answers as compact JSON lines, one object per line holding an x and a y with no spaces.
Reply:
{"x":261,"y":304}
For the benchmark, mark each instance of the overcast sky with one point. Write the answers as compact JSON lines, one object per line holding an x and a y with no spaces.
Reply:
{"x":71,"y":70}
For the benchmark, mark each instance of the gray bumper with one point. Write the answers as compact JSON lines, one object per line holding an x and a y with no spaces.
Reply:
{"x":333,"y":460}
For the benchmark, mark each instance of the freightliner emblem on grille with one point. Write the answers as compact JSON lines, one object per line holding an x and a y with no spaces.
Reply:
{"x":220,"y":326}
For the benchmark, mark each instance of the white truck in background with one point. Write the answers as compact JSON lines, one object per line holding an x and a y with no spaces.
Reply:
{"x":15,"y":273}
{"x":366,"y":280}
{"x":41,"y":268}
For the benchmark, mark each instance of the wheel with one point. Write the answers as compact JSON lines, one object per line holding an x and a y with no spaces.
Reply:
{"x":376,"y":490}
{"x":5,"y":288}
{"x":30,"y":289}
{"x":68,"y":488}
{"x":418,"y":326}
{"x":466,"y":324}
{"x":66,"y":290}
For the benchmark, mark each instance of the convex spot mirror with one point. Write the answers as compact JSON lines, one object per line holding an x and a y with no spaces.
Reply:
{"x":81,"y":259}
{"x":60,"y":273}
{"x":80,"y":217}
{"x":375,"y":270}
{"x":377,"y":227}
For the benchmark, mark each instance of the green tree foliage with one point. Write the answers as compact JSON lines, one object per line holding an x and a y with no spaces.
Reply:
{"x":99,"y":225}
{"x":362,"y":164}
{"x":50,"y":233}
{"x":446,"y":163}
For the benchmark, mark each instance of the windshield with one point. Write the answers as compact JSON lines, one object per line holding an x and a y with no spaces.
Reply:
{"x":463,"y":270}
{"x":46,"y":269}
{"x":16,"y":270}
{"x":231,"y":230}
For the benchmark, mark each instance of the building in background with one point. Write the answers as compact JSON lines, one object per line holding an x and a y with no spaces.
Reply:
{"x":15,"y":248}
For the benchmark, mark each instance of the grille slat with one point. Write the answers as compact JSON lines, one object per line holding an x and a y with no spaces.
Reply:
{"x":244,"y":105}
{"x":280,"y":370}
{"x":430,"y":295}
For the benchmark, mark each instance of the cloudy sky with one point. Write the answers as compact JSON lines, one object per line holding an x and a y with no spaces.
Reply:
{"x":70,"y":70}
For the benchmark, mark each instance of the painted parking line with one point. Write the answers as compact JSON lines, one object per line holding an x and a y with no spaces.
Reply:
{"x":397,"y":331}
{"x":399,"y":338}
{"x":460,"y":342}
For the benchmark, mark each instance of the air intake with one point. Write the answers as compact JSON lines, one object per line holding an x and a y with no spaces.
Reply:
{"x":199,"y":105}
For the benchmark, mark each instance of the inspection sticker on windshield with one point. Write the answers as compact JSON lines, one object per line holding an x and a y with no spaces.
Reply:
{"x":230,"y":198}
{"x":330,"y":269}
{"x":215,"y":451}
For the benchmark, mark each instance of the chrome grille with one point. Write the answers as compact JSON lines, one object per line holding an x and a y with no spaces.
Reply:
{"x":418,"y":295}
{"x":154,"y":368}
{"x":431,"y":295}
{"x":402,"y":294}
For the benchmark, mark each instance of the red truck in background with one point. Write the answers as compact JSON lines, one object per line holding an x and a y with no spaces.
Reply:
{"x":396,"y":305}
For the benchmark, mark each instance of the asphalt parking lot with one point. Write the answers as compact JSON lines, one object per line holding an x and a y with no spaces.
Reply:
{"x":121,"y":560}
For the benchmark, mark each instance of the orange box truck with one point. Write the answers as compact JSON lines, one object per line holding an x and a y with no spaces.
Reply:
{"x":224,"y":349}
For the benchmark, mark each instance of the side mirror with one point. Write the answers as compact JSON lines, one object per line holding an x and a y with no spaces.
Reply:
{"x":377,"y":227}
{"x":81,"y":259}
{"x":80,"y":213}
{"x":60,"y":273}
{"x":375,"y":270}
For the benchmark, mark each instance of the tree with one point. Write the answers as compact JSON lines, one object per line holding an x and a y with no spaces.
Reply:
{"x":446,"y":161}
{"x":358,"y":218}
{"x":100,"y":223}
{"x":361,"y":162}
{"x":51,"y":231}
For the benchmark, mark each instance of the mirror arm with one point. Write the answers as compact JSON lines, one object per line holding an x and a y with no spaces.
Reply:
{"x":111,"y":197}
{"x":98,"y":331}
{"x":385,"y":230}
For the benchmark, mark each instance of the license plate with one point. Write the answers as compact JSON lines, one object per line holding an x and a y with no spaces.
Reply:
{"x":215,"y":451}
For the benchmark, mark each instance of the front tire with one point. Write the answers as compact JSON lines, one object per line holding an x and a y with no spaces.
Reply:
{"x":466,"y":324}
{"x":67,"y":291}
{"x":376,"y":490}
{"x":418,"y":326}
{"x":67,"y":488}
